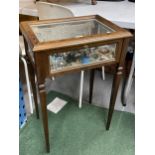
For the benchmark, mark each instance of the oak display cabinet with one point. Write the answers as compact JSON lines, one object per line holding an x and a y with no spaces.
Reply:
{"x":59,"y":46}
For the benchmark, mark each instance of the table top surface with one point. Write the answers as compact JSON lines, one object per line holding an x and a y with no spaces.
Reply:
{"x":121,"y":13}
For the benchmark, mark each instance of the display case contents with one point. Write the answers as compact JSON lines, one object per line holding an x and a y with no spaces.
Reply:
{"x":85,"y":56}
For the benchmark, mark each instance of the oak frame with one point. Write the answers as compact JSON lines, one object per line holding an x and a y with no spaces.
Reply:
{"x":42,"y":50}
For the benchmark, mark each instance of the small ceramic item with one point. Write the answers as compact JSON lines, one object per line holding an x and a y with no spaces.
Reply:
{"x":104,"y":50}
{"x":53,"y":62}
{"x":85,"y":60}
{"x":85,"y":55}
{"x":60,"y":62}
{"x":70,"y":57}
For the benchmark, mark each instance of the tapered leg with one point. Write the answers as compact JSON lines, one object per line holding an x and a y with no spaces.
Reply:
{"x":116,"y":81}
{"x":33,"y":85}
{"x":91,"y":84}
{"x":115,"y":87}
{"x":42,"y":94}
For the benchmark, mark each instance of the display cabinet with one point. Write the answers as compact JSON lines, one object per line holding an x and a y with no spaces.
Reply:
{"x":61,"y":46}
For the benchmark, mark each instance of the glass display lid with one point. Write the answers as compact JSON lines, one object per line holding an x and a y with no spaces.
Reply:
{"x":69,"y":30}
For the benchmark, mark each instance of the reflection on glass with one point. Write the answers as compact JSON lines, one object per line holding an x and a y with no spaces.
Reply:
{"x":67,"y":30}
{"x":85,"y":56}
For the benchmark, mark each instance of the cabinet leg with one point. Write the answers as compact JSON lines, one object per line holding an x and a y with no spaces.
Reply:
{"x":33,"y":85}
{"x":42,"y":94}
{"x":115,"y":87}
{"x":91,"y":84}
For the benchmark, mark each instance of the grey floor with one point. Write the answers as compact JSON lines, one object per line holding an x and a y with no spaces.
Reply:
{"x":69,"y":85}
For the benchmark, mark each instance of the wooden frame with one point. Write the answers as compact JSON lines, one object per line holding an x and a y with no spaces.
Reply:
{"x":42,"y":50}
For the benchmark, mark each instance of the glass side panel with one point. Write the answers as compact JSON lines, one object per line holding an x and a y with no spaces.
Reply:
{"x":68,"y":30}
{"x":86,"y":56}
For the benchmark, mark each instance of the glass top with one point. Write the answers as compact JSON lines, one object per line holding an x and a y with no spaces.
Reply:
{"x":69,"y":30}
